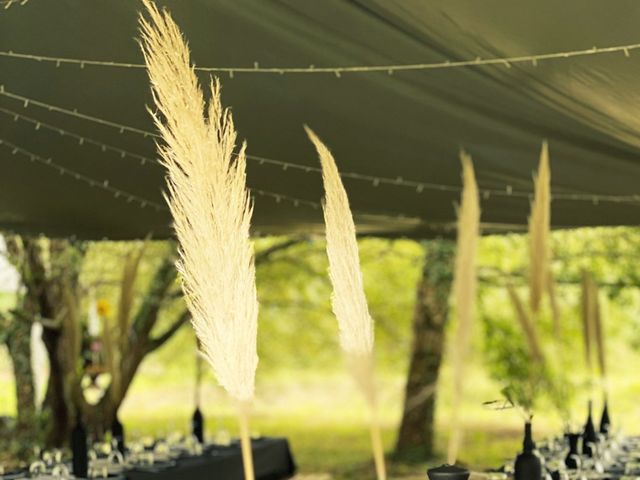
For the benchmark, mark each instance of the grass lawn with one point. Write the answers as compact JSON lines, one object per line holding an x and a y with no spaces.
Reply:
{"x":325,"y":421}
{"x":324,"y":417}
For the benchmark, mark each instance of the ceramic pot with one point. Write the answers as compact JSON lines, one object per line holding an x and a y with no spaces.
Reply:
{"x":605,"y":421}
{"x":528,"y":465}
{"x":79,"y":451}
{"x":589,"y":436}
{"x":573,"y":457}
{"x":117,"y":433}
{"x":197,"y":425}
{"x":448,"y":472}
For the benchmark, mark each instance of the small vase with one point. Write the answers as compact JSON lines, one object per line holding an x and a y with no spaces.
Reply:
{"x":605,"y":421}
{"x":80,"y":456}
{"x":528,"y":464}
{"x":117,"y":434}
{"x":448,"y":472}
{"x":197,"y":425}
{"x":589,"y":436}
{"x":572,"y":459}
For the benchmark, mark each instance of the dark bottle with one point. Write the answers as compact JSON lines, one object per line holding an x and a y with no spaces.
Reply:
{"x":605,"y":421}
{"x":589,"y":436}
{"x":448,"y":472}
{"x":80,"y":457}
{"x":528,"y":464}
{"x":117,"y":433}
{"x":573,"y":457}
{"x":197,"y":425}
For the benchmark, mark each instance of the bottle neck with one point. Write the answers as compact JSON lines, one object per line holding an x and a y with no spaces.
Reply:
{"x":528,"y":445}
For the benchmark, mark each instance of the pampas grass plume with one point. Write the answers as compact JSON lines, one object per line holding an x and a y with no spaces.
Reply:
{"x":464,"y":290}
{"x":539,"y":227}
{"x":211,"y":209}
{"x":348,"y":298}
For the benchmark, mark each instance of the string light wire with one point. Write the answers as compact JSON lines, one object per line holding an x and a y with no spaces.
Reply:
{"x":104,"y":185}
{"x":82,"y":140}
{"x":277,"y":197}
{"x":339,"y":70}
{"x":418,"y":186}
{"x":143,"y":202}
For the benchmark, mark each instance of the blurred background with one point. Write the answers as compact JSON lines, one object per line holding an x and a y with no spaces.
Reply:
{"x":304,"y":391}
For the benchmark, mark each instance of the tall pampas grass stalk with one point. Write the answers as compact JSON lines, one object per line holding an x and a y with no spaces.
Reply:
{"x":539,"y":232}
{"x":555,"y":305}
{"x":527,"y":325}
{"x":464,"y":290}
{"x":593,"y":328}
{"x":348,"y":300}
{"x":211,"y":209}
{"x":587,"y":314}
{"x":598,"y":331}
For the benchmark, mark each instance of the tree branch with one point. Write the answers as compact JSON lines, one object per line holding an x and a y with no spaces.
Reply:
{"x":147,"y":314}
{"x":266,"y":254}
{"x":161,"y":339}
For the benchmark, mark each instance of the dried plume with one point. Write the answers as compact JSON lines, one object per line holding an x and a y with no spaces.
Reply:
{"x":592,"y":325}
{"x":587,"y":316}
{"x":348,"y":299}
{"x":598,"y":331}
{"x":210,"y":204}
{"x":555,"y":306}
{"x":211,"y":209}
{"x":464,"y":290}
{"x":530,"y":333}
{"x":539,"y":227}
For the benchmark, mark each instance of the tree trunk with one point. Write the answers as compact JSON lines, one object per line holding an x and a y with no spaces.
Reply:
{"x":55,"y":401}
{"x":417,"y":428}
{"x":19,"y":344}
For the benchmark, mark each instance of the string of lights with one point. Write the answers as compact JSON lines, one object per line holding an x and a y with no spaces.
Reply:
{"x":74,"y":113}
{"x":339,"y":70}
{"x":416,"y":185}
{"x":277,"y":197}
{"x":82,"y":140}
{"x":140,"y":201}
{"x":375,"y":181}
{"x":104,"y":185}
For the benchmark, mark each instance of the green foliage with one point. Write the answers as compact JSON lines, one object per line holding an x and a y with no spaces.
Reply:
{"x":298,"y":340}
{"x":509,"y":361}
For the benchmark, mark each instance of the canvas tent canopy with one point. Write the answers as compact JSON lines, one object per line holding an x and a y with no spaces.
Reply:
{"x":77,"y":144}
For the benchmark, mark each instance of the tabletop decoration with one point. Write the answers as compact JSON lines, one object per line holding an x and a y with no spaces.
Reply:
{"x":464,"y":291}
{"x":348,"y":299}
{"x":448,"y":472}
{"x":211,"y":209}
{"x":539,"y":232}
{"x":523,"y":393}
{"x":594,"y":345}
{"x":197,"y":419}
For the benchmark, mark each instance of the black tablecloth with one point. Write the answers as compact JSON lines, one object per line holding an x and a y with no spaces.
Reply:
{"x":272,"y":460}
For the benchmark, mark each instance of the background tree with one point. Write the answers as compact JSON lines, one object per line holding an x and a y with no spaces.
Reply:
{"x":55,"y":292}
{"x":417,"y":428}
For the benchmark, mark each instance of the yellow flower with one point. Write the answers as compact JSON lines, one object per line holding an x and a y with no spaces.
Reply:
{"x":104,"y":307}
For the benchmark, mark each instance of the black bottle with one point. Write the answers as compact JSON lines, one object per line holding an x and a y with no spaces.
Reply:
{"x":589,"y":435}
{"x":197,"y":425}
{"x":117,"y":433}
{"x":528,"y":465}
{"x":571,"y":460}
{"x":80,"y":460}
{"x":605,"y":421}
{"x":448,"y":472}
